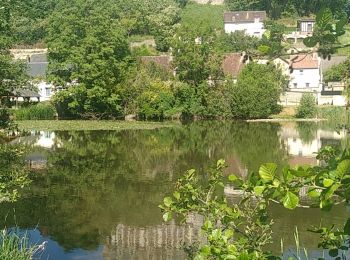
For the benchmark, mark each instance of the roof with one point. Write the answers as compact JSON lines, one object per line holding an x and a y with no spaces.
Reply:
{"x":232,"y":64}
{"x":304,"y":61}
{"x":37,"y":69}
{"x":42,"y":57}
{"x":335,"y":60}
{"x":25,"y":93}
{"x":163,"y":61}
{"x":244,"y":16}
{"x":307,"y":20}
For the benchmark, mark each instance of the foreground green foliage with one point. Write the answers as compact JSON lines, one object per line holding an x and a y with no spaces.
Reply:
{"x":242,"y":230}
{"x":14,"y":245}
{"x":307,"y":107}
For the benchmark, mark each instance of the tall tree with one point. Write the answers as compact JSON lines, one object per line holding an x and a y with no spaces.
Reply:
{"x":194,"y":57}
{"x":12,"y":73}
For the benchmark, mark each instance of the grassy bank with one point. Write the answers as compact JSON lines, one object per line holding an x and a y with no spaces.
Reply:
{"x":84,"y":125}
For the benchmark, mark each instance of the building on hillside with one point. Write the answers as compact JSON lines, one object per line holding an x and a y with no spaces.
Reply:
{"x":305,"y":28}
{"x":332,"y":92}
{"x":232,"y":64}
{"x":37,"y":67}
{"x":305,"y":73}
{"x":250,"y":22}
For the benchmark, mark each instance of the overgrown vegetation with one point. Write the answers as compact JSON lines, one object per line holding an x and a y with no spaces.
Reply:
{"x":242,"y":230}
{"x":307,"y":107}
{"x":40,"y":111}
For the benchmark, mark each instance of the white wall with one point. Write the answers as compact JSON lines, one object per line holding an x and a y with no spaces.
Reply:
{"x":303,"y":76}
{"x":45,"y":90}
{"x":251,"y":29}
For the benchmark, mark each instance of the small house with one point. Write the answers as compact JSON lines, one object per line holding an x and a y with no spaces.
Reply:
{"x":306,"y":26}
{"x":250,"y":22}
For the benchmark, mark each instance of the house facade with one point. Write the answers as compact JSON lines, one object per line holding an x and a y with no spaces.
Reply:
{"x":250,"y":22}
{"x":306,"y":26}
{"x":305,"y":73}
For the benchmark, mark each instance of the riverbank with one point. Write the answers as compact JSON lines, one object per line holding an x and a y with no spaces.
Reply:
{"x":89,"y":125}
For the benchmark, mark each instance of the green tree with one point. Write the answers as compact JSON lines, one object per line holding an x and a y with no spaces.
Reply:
{"x":195,"y":60}
{"x":257,"y":92}
{"x":86,"y":45}
{"x":307,"y":107}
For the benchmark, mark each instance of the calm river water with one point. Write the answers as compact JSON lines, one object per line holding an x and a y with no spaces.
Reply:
{"x":95,"y":194}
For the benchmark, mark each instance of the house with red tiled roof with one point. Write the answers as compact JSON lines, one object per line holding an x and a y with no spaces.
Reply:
{"x":305,"y":73}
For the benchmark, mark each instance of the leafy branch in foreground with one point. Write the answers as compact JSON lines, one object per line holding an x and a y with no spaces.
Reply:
{"x":242,"y":229}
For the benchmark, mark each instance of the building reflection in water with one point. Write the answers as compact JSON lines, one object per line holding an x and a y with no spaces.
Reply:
{"x":158,"y":242}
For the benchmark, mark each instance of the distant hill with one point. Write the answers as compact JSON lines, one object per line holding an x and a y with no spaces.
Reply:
{"x":213,"y":2}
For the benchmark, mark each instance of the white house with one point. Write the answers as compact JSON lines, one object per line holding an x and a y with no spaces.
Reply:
{"x":305,"y":73}
{"x":250,"y":22}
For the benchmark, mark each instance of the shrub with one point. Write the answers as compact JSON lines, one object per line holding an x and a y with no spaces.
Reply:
{"x":80,"y":102}
{"x":307,"y":107}
{"x":257,"y":92}
{"x":40,"y":111}
{"x":157,"y":102}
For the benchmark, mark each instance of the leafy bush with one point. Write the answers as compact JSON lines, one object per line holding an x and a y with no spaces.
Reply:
{"x":80,"y":102}
{"x":40,"y":111}
{"x":243,"y":230}
{"x":307,"y":107}
{"x":157,"y":102}
{"x":257,"y":92}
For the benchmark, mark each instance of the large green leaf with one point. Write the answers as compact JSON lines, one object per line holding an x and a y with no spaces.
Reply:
{"x":168,"y":201}
{"x":290,"y":200}
{"x":267,"y":171}
{"x":339,"y":27}
{"x":167,"y":216}
{"x":310,"y":41}
{"x":347,"y":227}
{"x":344,"y":167}
{"x":324,"y":17}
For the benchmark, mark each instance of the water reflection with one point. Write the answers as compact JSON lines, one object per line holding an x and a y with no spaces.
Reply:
{"x":91,"y":186}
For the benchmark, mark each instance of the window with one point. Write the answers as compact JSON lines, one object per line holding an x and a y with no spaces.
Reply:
{"x":307,"y":85}
{"x":295,"y":85}
{"x":301,"y":72}
{"x":48,"y":91}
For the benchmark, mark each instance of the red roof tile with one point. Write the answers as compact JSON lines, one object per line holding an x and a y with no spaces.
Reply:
{"x":304,"y":61}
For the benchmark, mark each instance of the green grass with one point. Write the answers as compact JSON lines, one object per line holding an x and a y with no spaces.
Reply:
{"x":41,"y":111}
{"x":203,"y":15}
{"x":140,"y":38}
{"x":15,"y":246}
{"x":345,"y":39}
{"x":84,"y":125}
